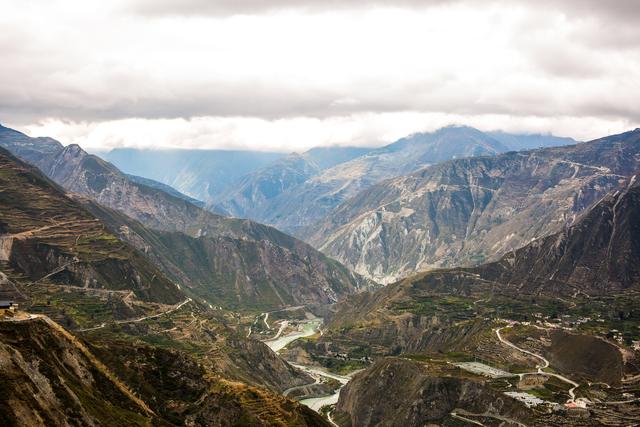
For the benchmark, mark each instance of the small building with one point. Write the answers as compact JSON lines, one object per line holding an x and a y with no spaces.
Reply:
{"x":8,"y":306}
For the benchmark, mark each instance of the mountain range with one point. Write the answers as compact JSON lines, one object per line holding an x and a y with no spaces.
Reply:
{"x":291,"y":271}
{"x":467,"y":211}
{"x":308,"y":197}
{"x":511,"y":264}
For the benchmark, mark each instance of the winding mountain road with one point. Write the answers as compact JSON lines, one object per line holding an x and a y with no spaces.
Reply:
{"x":545,"y":364}
{"x":140,"y":319}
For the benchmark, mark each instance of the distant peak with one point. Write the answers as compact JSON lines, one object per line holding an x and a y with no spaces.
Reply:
{"x":74,"y":149}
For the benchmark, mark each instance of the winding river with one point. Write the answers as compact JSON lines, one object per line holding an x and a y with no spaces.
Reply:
{"x":309,"y":328}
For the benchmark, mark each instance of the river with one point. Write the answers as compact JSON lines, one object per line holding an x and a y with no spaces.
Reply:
{"x":309,"y":328}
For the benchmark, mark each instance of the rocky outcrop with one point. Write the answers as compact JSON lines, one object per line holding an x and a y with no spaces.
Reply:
{"x":201,"y":174}
{"x":399,"y":392}
{"x":469,"y":211}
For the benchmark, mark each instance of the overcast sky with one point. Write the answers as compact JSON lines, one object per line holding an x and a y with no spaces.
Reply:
{"x":291,"y":74}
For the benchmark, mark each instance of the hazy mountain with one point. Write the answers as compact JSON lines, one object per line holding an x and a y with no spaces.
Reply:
{"x":521,"y":142}
{"x":465,"y":211}
{"x":309,"y":202}
{"x":201,"y":174}
{"x":218,"y":256}
{"x":248,"y":196}
{"x":326,"y":157}
{"x":166,"y":188}
{"x":299,"y":189}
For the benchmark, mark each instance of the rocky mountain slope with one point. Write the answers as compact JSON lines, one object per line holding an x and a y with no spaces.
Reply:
{"x":467,"y":211}
{"x":599,"y":254}
{"x":400,"y":392}
{"x":45,"y":236}
{"x":48,"y":378}
{"x":237,"y":273}
{"x":595,"y":258}
{"x":252,"y":195}
{"x":218,"y":253}
{"x":51,"y":378}
{"x":561,"y":309}
{"x":310,"y":201}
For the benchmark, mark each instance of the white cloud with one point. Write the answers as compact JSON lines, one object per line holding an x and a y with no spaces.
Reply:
{"x":296,"y":74}
{"x":300,"y":134}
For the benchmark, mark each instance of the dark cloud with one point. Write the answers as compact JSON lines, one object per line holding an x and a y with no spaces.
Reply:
{"x":627,"y":10}
{"x":591,"y":70}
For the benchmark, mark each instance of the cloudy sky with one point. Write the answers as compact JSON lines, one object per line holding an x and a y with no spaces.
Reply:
{"x":291,"y":74}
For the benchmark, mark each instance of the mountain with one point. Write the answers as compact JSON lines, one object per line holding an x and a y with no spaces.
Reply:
{"x":556,"y":319}
{"x":519,"y":142}
{"x":295,"y":191}
{"x":183,"y":363}
{"x":201,"y":174}
{"x":166,"y":188}
{"x":327,"y":157}
{"x":250,"y":194}
{"x":219,"y":255}
{"x":400,"y":392}
{"x":598,"y":256}
{"x":45,"y":236}
{"x":24,"y":146}
{"x":60,"y":382}
{"x":466,"y":211}
{"x":238,"y":273}
{"x":309,"y":202}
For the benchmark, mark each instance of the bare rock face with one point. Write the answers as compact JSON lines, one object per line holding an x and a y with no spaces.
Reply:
{"x":469,"y":211}
{"x":399,"y":392}
{"x":599,"y":254}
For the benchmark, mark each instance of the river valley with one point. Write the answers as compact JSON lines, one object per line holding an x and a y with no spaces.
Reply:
{"x":307,"y":329}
